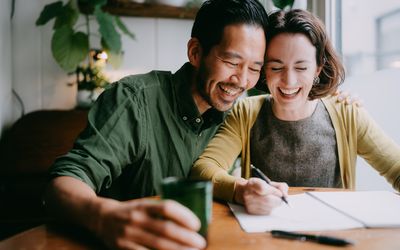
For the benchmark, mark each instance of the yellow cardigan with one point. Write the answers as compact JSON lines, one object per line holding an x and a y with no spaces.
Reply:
{"x":356,"y":134}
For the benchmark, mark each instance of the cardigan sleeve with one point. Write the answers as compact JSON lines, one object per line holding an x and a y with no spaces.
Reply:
{"x":225,"y":147}
{"x":378,"y":149}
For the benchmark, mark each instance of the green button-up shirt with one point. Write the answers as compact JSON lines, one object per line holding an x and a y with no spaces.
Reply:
{"x":144,"y":128}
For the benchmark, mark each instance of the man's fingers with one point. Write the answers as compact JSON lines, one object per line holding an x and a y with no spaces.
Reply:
{"x":172,"y":231}
{"x":167,"y":231}
{"x":342,"y":95}
{"x":139,"y":237}
{"x":347,"y":98}
{"x":174,"y":211}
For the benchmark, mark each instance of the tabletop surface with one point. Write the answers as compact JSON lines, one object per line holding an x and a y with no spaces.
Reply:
{"x":224,"y":233}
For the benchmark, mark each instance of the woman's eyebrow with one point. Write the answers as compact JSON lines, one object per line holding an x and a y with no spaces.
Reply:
{"x":280,"y":61}
{"x":274,"y":61}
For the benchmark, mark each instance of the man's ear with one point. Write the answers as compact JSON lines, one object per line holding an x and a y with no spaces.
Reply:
{"x":194,"y":52}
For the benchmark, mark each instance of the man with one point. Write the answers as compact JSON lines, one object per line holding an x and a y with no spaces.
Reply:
{"x":151,"y":126}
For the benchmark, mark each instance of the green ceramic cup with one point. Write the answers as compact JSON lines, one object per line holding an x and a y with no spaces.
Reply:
{"x":194,"y":194}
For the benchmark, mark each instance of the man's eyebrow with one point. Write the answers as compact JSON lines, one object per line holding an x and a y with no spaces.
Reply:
{"x":229,"y":54}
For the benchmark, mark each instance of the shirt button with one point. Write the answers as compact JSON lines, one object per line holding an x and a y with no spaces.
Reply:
{"x":184,"y":118}
{"x":198,"y":120}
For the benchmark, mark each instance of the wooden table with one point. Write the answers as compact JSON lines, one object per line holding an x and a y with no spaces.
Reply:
{"x":224,"y":233}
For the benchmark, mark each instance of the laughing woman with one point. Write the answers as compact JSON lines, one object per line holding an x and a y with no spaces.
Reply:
{"x":297,"y":134}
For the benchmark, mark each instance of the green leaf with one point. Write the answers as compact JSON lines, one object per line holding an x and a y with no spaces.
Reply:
{"x":69,"y":48}
{"x":49,"y":12}
{"x":123,"y":28}
{"x":107,"y":30}
{"x":282,"y":4}
{"x":68,"y":16}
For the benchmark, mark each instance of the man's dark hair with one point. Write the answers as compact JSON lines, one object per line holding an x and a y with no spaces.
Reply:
{"x":214,"y":15}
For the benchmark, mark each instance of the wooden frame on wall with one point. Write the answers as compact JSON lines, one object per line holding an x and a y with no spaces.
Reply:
{"x":130,"y":8}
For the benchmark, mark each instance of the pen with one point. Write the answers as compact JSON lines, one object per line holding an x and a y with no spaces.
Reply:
{"x":328,"y":240}
{"x":257,"y":173}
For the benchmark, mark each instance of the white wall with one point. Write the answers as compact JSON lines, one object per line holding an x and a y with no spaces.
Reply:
{"x":380,"y":92}
{"x":42,"y":84}
{"x":5,"y":66}
{"x":378,"y":89}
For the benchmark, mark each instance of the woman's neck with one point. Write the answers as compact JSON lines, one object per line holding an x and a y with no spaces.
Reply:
{"x":294,"y":113}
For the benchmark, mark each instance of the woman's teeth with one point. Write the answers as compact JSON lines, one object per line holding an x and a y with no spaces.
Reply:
{"x":289,"y":91}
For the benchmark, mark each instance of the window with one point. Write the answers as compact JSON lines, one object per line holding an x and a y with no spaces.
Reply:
{"x":388,"y":40}
{"x":370,"y":35}
{"x":367,"y":35}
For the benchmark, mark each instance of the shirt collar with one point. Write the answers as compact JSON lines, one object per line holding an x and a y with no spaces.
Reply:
{"x":187,"y":108}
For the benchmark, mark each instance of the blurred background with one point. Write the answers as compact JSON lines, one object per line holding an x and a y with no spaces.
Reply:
{"x":365,"y":32}
{"x":41,"y":110}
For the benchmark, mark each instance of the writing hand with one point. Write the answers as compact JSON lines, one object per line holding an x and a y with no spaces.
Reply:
{"x":142,"y":224}
{"x":259,"y":197}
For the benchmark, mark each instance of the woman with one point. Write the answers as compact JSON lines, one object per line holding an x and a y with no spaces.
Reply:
{"x":297,"y":134}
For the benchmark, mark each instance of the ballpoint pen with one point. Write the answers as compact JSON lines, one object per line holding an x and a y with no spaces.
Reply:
{"x":257,"y":173}
{"x":328,"y":240}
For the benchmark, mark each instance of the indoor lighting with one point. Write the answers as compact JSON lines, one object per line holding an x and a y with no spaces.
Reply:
{"x":395,"y":64}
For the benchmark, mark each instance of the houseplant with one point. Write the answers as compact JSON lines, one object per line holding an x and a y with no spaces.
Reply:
{"x":71,"y":42}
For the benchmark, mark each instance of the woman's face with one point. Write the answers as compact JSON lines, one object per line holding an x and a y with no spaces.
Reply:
{"x":290,"y":70}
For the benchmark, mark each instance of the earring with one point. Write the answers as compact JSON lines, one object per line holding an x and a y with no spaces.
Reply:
{"x":316,"y":80}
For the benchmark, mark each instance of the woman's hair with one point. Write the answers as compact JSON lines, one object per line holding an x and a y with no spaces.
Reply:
{"x":299,"y":21}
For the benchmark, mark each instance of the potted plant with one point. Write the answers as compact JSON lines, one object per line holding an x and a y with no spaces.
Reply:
{"x":71,"y":40}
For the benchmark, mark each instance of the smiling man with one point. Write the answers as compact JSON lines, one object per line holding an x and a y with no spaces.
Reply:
{"x":147,"y":127}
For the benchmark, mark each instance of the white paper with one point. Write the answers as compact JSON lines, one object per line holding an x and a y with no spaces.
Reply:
{"x":306,"y":213}
{"x":373,"y":208}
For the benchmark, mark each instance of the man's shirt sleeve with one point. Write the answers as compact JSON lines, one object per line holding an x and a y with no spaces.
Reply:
{"x":112,"y":139}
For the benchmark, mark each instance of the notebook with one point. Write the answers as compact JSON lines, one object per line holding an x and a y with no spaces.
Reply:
{"x":320,"y":211}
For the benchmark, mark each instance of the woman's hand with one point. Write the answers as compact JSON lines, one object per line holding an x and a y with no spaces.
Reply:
{"x":258,"y":197}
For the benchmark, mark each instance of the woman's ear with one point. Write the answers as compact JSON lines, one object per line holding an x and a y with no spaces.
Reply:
{"x":194,"y":52}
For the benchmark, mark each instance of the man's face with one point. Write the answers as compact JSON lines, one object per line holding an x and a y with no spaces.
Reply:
{"x":232,"y":66}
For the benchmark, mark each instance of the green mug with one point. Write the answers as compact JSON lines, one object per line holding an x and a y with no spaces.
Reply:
{"x":193,"y":194}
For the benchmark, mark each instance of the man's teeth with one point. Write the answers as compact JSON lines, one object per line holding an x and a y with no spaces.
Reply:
{"x":229,"y":90}
{"x":289,"y":91}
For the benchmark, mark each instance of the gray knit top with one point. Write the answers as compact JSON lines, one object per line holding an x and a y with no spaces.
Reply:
{"x":300,"y":153}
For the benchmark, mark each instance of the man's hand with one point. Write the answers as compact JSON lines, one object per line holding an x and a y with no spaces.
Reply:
{"x":146,"y":223}
{"x":258,"y":197}
{"x":347,"y":98}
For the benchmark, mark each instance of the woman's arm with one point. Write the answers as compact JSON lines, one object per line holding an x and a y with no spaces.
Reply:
{"x":377,"y":148}
{"x":219,"y":156}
